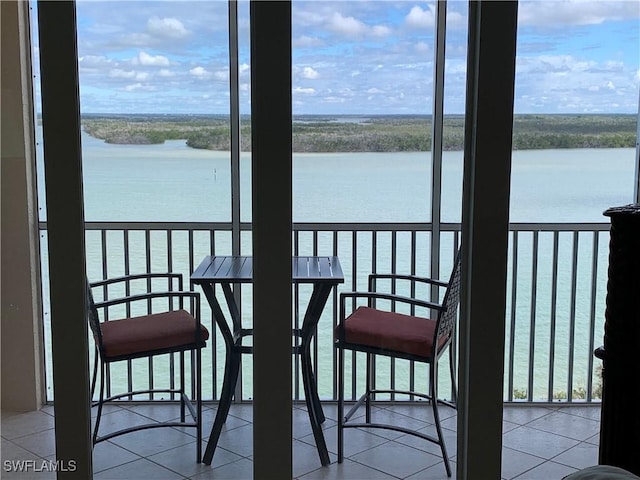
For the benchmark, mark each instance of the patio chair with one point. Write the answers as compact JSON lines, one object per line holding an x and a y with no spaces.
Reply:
{"x":380,"y":332}
{"x":175,"y":329}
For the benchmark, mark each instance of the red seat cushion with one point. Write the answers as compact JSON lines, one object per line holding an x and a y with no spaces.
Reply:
{"x":391,"y":331}
{"x":131,"y":336}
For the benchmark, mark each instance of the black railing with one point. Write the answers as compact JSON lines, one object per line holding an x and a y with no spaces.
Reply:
{"x":555,"y":296}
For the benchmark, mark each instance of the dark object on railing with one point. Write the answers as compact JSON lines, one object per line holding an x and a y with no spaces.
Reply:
{"x":620,"y":417}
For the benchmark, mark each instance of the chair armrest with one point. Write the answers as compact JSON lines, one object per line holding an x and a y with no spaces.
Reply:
{"x":138,"y":276}
{"x":194,"y":309}
{"x":381,"y":296}
{"x":396,"y":276}
{"x":387,"y":296}
{"x":148,"y":296}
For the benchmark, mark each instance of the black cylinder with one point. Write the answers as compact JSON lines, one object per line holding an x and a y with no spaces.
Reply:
{"x":620,"y":417}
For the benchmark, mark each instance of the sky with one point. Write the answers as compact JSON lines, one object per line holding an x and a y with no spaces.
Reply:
{"x":351,"y":57}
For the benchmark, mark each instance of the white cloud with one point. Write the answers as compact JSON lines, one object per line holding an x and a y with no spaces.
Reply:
{"x":346,"y":25}
{"x":381,"y":31}
{"x":456,"y":20}
{"x":119,"y":73}
{"x":199,"y":72}
{"x":147,"y":60}
{"x":575,"y":12}
{"x":302,"y":90}
{"x":134,"y":86}
{"x":305,"y":41}
{"x":310,"y":73}
{"x":222,"y":75}
{"x":422,"y":47}
{"x":147,"y":45}
{"x":426,"y":18}
{"x":136,"y":40}
{"x":456,"y":67}
{"x":352,"y":27}
{"x":94,"y":61}
{"x":564,"y":83}
{"x":419,"y":18}
{"x":166,"y":27}
{"x":562,"y":64}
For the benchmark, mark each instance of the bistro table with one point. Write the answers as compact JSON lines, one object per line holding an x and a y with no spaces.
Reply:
{"x":323,"y":273}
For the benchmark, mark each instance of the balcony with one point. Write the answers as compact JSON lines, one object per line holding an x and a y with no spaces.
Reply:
{"x":556,"y":286}
{"x":551,"y":414}
{"x":538,"y":442}
{"x":551,"y":389}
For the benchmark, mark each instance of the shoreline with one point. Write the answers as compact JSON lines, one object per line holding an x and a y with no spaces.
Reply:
{"x":361,"y":133}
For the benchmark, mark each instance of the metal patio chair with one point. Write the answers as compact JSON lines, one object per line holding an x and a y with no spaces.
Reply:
{"x":175,"y":329}
{"x":380,"y":332}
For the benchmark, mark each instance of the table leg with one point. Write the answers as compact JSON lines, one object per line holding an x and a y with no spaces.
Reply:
{"x":231,"y":370}
{"x":316,"y":415}
{"x":312,"y":400}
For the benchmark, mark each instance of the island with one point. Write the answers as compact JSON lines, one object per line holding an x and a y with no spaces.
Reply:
{"x":365,"y":133}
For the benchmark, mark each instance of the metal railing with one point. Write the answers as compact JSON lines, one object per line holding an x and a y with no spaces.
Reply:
{"x":556,"y":286}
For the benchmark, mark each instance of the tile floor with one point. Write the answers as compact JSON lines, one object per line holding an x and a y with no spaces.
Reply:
{"x":538,"y":443}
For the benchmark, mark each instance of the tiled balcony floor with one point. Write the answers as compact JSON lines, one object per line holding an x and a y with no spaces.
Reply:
{"x":538,"y":443}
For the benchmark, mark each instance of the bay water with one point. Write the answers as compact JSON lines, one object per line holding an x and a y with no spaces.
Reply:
{"x":174,"y":183}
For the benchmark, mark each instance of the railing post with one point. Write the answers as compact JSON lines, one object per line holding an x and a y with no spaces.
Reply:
{"x":436,"y":142}
{"x":636,"y":193}
{"x":236,"y":149}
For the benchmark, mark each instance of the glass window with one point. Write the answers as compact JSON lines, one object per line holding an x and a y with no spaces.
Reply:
{"x":362,"y":96}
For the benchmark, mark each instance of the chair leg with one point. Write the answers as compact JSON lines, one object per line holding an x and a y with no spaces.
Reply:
{"x":100,"y":402}
{"x":452,"y":370}
{"x":433,"y":392}
{"x":340,"y":405}
{"x":182,"y":388}
{"x":367,"y":402}
{"x":95,"y":372}
{"x":198,"y":378}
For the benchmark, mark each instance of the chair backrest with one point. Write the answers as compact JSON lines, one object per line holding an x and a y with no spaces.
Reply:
{"x":93,"y":318}
{"x":449,"y":314}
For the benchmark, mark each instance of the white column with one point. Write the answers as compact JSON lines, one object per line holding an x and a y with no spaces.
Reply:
{"x":485,"y":228}
{"x":22,"y":388}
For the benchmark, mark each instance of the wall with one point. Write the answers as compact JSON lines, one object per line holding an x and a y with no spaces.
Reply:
{"x":21,"y":312}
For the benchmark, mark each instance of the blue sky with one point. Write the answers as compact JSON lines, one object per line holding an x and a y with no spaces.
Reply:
{"x":352,"y":57}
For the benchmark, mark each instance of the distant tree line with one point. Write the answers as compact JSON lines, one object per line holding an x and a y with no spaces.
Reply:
{"x":376,"y":134}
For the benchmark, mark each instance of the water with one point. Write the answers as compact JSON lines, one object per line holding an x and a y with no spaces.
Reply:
{"x":172,"y":182}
